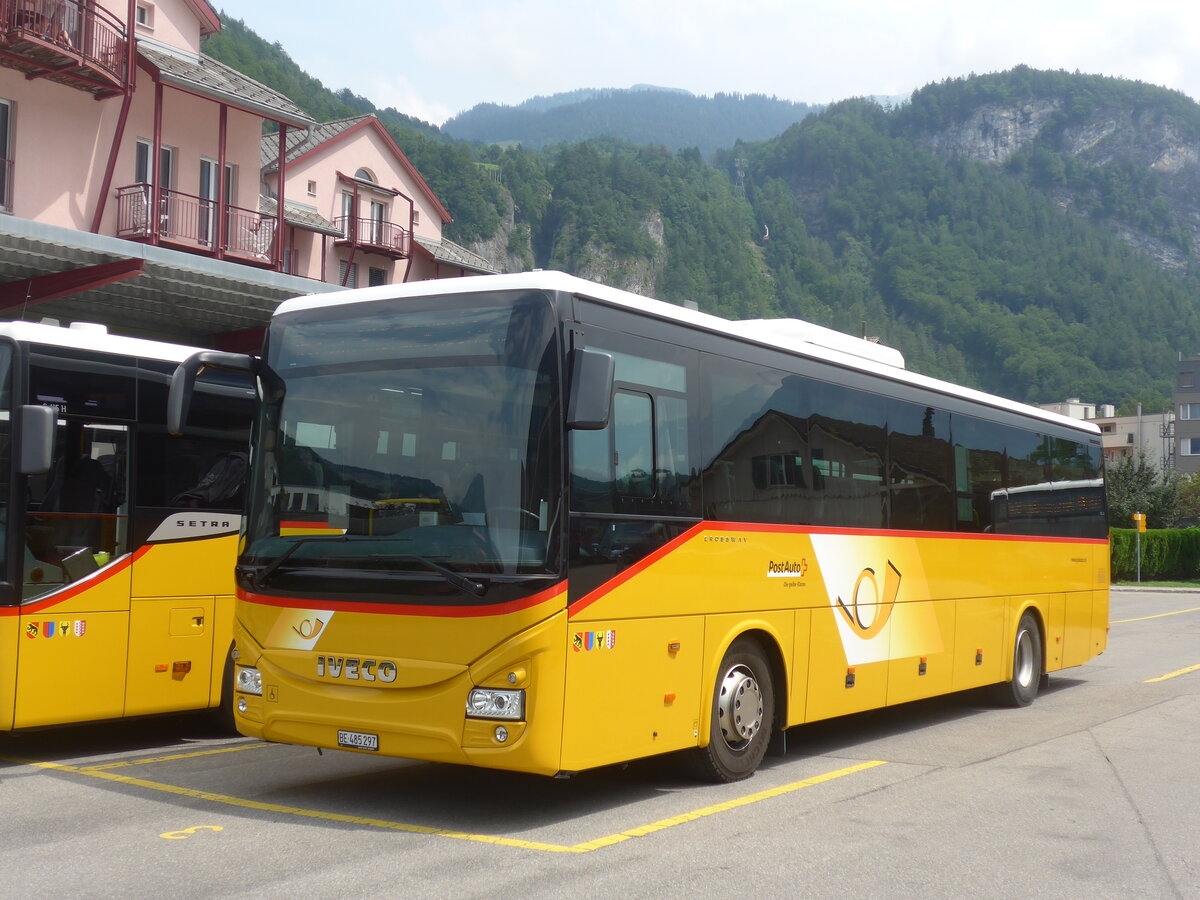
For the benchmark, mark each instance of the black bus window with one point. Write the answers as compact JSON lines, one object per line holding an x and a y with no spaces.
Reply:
{"x":1028,"y":458}
{"x":633,"y":445}
{"x":671,"y":466}
{"x":757,"y":438}
{"x":592,"y":470}
{"x":198,"y":469}
{"x":641,"y":463}
{"x":78,"y":512}
{"x":979,"y":467}
{"x":847,"y":440}
{"x":920,"y":467}
{"x":1073,"y":461}
{"x":646,"y":372}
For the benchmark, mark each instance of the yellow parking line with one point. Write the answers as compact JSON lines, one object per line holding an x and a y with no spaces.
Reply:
{"x":250,"y":745}
{"x":1178,"y":612}
{"x":586,"y":847}
{"x":1175,"y":674}
{"x":723,"y":807}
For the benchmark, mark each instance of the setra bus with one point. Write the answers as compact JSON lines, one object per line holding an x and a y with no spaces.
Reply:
{"x":533,"y":523}
{"x":119,"y":541}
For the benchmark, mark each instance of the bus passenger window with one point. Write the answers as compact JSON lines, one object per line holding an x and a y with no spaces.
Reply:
{"x":633,"y":455}
{"x":78,"y":515}
{"x":979,"y":466}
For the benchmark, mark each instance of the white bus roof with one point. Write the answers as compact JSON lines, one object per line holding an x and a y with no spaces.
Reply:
{"x":85,"y":336}
{"x":791,"y":335}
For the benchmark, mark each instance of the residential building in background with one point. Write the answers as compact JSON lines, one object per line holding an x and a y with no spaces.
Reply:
{"x":1125,"y":436}
{"x":137,"y":188}
{"x":1187,"y":411}
{"x":356,"y":211}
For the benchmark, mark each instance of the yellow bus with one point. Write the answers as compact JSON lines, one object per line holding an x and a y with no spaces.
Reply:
{"x":116,"y":563}
{"x":532,"y":523}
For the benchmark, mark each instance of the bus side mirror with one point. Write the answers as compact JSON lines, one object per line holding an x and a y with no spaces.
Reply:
{"x":37,"y":439}
{"x":183,"y":382}
{"x":589,"y":406}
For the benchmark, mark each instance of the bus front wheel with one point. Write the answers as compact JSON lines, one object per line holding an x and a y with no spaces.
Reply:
{"x":742,"y":716}
{"x":1027,"y":666}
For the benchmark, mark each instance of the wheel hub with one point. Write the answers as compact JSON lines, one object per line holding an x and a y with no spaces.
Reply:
{"x":740,"y":706}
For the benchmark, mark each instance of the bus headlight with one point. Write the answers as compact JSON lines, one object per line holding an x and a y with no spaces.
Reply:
{"x":248,"y":680}
{"x":492,"y":703}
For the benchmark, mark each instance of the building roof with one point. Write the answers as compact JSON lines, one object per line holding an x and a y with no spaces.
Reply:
{"x":207,"y":77}
{"x":299,"y":216}
{"x":210,"y":21}
{"x":299,"y":144}
{"x":448,"y":252}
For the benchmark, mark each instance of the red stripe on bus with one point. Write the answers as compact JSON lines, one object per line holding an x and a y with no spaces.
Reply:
{"x":768,"y":528}
{"x":445,"y":612}
{"x":640,"y":566}
{"x":79,"y":587}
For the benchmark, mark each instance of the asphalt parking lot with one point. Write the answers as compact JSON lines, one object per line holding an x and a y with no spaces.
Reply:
{"x":1094,"y":791}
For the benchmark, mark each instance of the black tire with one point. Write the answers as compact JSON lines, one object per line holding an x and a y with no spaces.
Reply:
{"x":222,"y":716}
{"x":1027,"y":666}
{"x":742,"y":716}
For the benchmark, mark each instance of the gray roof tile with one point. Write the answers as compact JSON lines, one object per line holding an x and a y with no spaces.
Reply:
{"x":456,"y":255}
{"x":299,"y":216}
{"x":211,"y":78}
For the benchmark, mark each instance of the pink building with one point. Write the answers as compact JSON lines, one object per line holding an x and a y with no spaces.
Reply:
{"x":357,"y":213}
{"x":137,"y":189}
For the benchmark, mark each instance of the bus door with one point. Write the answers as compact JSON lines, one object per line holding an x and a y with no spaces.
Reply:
{"x":9,"y":577}
{"x":188,"y":492}
{"x":74,"y":620}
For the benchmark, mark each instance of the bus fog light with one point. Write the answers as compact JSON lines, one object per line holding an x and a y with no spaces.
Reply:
{"x":501,"y":734}
{"x":249,"y":680}
{"x":242,"y":704}
{"x":491,"y":703}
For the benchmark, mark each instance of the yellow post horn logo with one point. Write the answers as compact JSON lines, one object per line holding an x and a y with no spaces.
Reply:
{"x":879,"y":609}
{"x":309,"y":628}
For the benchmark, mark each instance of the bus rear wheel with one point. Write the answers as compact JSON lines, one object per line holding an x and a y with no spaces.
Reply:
{"x":1027,"y":666}
{"x":742,"y":716}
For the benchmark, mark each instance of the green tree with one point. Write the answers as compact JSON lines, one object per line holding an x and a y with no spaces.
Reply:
{"x":1137,"y":485}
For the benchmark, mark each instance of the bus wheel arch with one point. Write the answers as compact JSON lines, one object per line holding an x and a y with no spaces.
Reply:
{"x":744,"y":709}
{"x":1028,"y":662}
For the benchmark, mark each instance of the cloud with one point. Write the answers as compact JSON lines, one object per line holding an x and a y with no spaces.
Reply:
{"x":438,"y":60}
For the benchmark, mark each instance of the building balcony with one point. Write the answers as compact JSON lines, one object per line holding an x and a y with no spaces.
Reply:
{"x":191,"y":223}
{"x":71,"y":42}
{"x":374,"y":236}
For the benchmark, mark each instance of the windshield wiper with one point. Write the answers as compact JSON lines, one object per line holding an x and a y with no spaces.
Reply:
{"x":456,"y":579}
{"x":258,"y":575}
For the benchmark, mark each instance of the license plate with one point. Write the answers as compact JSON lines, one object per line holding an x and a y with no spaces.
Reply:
{"x":356,"y":740}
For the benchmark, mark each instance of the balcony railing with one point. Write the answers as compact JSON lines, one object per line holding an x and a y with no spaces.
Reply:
{"x":374,"y":236}
{"x":69,"y":41}
{"x":190,"y":223}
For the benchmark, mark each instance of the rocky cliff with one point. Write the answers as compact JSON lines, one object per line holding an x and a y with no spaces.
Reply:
{"x":1147,"y":145}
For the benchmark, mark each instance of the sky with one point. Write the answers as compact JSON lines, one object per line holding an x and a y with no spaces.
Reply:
{"x":434,"y":59}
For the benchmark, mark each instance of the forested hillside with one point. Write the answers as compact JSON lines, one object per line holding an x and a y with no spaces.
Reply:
{"x":642,"y":115}
{"x":1030,"y":233}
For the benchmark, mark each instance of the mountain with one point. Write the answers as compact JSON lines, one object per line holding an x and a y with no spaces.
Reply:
{"x":1030,"y":233}
{"x":643,"y":114}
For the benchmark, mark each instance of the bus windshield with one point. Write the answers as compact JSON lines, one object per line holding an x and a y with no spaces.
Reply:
{"x":407,"y":441}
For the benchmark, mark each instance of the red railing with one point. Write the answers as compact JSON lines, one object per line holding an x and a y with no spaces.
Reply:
{"x":76,"y":28}
{"x":191,"y":222}
{"x":374,"y":235}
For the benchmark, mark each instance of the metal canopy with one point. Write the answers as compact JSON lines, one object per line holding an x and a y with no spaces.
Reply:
{"x":177,"y":296}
